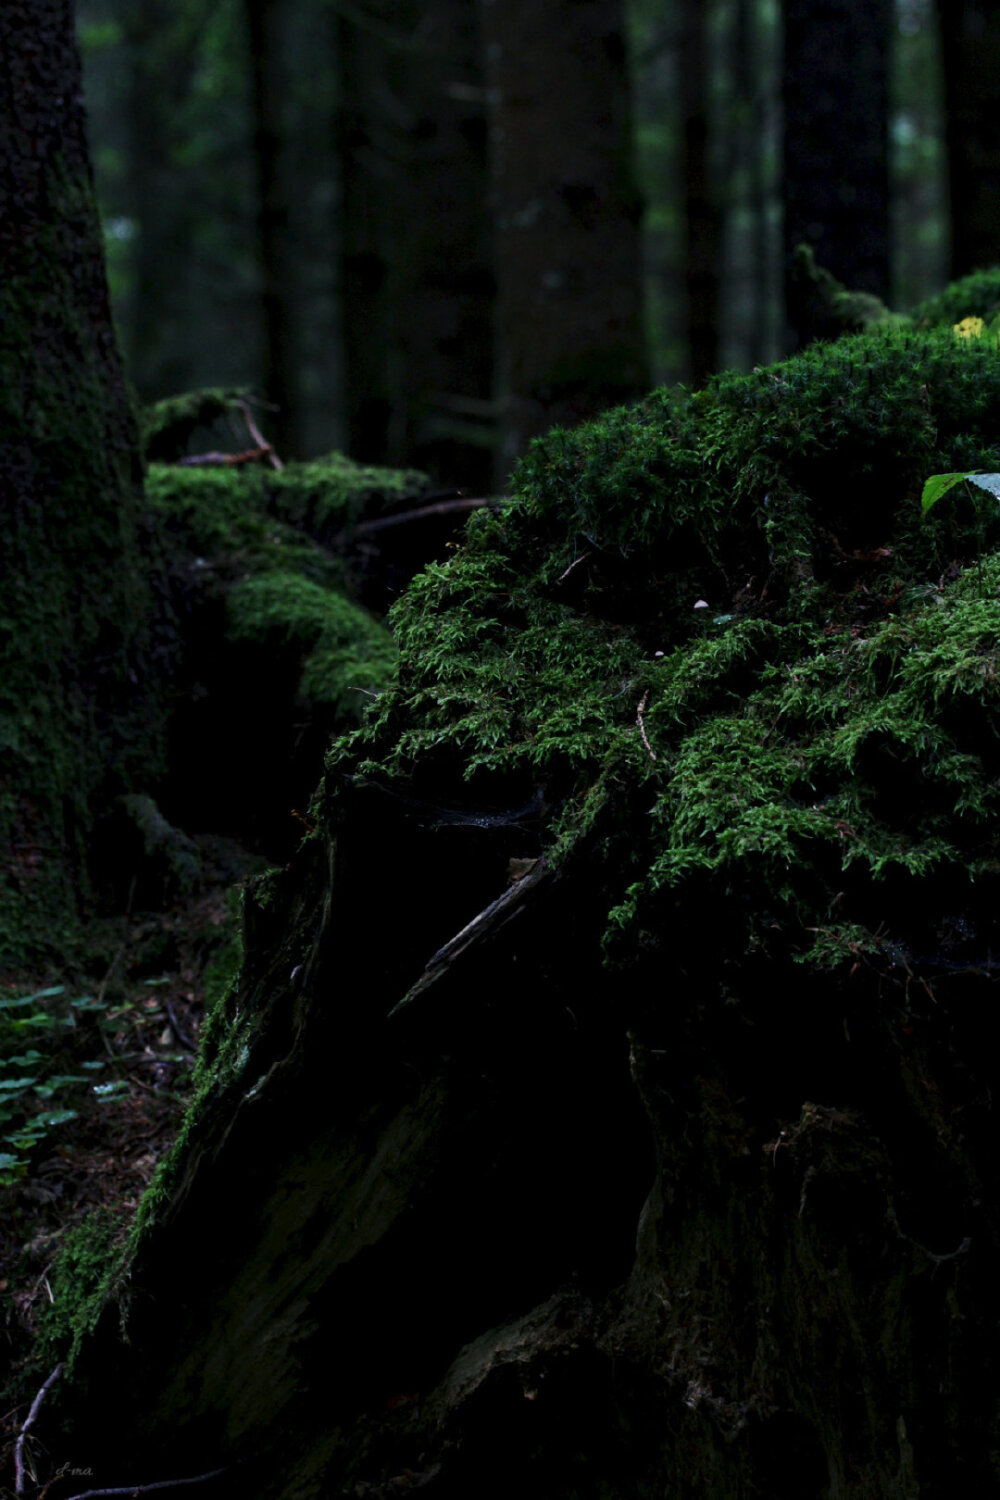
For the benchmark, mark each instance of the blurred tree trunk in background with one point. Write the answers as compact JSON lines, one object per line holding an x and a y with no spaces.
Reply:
{"x":970,"y":48}
{"x":567,"y":212}
{"x":162,"y":41}
{"x":418,"y":285}
{"x":78,"y":687}
{"x":701,"y":209}
{"x":836,"y":106}
{"x":265,"y":21}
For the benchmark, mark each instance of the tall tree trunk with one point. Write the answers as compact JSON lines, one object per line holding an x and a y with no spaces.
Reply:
{"x":75,"y":697}
{"x":417,"y":276}
{"x":162,"y":47}
{"x":970,"y":47}
{"x":570,"y":326}
{"x":701,"y":213}
{"x":836,"y":105}
{"x":266,"y":34}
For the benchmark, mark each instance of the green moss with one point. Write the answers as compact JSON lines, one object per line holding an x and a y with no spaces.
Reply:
{"x":219,"y":517}
{"x":346,"y":654}
{"x":81,"y":1281}
{"x":828,"y":723}
{"x":167,"y":426}
{"x":327,"y":495}
{"x":974,"y":296}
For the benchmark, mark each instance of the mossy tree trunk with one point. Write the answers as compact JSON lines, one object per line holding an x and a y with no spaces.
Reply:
{"x":76,"y":699}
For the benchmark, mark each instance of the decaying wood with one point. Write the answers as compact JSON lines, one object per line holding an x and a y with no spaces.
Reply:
{"x":487,"y":920}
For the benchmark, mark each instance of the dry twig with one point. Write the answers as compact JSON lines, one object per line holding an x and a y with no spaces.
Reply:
{"x":215,"y":460}
{"x":145,"y":1489}
{"x":29,"y":1419}
{"x":574,"y":564}
{"x":441,"y":508}
{"x":642,"y":727}
{"x":258,"y":436}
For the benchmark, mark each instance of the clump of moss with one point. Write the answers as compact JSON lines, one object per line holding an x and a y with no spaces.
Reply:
{"x":716,"y":632}
{"x":167,"y":426}
{"x":326,"y":496}
{"x":81,"y":1280}
{"x":974,"y":296}
{"x":346,"y":654}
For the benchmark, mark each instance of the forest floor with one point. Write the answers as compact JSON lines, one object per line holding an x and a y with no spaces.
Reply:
{"x":95,"y":1071}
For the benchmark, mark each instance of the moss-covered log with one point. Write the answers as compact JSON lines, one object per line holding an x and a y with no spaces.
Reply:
{"x":606,"y":1104}
{"x":78,"y":711}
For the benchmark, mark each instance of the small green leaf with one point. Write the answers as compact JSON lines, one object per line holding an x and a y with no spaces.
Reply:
{"x":55,"y":989}
{"x":938,"y":485}
{"x":54,"y":1117}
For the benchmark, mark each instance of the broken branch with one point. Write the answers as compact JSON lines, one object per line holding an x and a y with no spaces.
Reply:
{"x":258,"y":436}
{"x":29,"y":1419}
{"x":480,"y":925}
{"x":212,"y":460}
{"x":145,"y":1489}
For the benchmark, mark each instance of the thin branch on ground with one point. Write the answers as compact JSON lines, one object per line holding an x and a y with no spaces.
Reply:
{"x":574,"y":564}
{"x":145,"y":1489}
{"x":177,"y":1028}
{"x":642,"y":728}
{"x":216,"y":460}
{"x":29,"y":1419}
{"x":421,"y":512}
{"x":258,"y":436}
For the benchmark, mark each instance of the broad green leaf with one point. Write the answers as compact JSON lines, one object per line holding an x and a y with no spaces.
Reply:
{"x":938,"y":485}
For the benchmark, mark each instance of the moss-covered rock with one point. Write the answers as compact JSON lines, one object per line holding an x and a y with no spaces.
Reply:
{"x":656,"y":1136}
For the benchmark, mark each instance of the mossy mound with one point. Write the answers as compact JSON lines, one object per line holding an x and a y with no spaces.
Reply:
{"x":974,"y":296}
{"x":660,"y":1125}
{"x":814,"y":658}
{"x":279,"y":652}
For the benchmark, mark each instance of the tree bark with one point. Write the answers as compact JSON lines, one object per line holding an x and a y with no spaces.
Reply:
{"x":970,"y":48}
{"x":77,"y":705}
{"x":836,"y":143}
{"x":418,"y":284}
{"x":570,"y":326}
{"x":279,"y":306}
{"x":701,"y":210}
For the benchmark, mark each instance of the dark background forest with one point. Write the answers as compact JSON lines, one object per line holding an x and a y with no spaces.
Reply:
{"x":340,"y":204}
